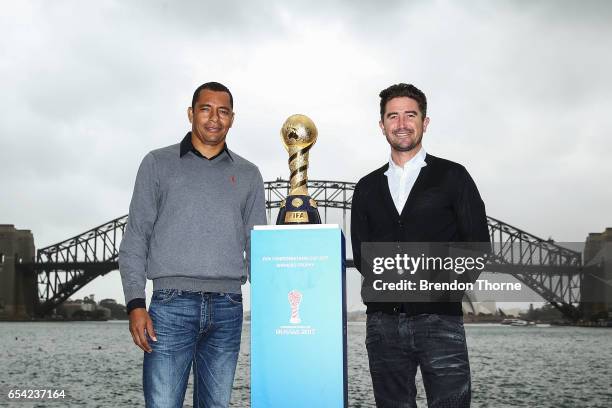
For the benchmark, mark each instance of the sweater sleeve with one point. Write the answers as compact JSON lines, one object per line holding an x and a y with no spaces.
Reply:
{"x":134,"y":247}
{"x":359,"y":225}
{"x":472,"y":222}
{"x":470,"y":210}
{"x":254,"y":214}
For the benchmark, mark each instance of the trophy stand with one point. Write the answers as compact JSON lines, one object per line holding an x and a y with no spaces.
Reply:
{"x":299,"y":134}
{"x":298,"y":296}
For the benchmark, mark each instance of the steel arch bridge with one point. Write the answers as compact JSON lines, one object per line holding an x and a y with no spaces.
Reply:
{"x":65,"y":267}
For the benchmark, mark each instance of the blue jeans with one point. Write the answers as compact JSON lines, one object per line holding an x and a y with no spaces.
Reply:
{"x":398,"y":344}
{"x":203,"y":328}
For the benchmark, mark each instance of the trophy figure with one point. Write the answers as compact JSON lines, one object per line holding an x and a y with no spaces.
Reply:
{"x":295,"y":298}
{"x":299,"y":133}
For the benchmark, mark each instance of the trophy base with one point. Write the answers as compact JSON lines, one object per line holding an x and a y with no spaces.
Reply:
{"x":298,"y":209}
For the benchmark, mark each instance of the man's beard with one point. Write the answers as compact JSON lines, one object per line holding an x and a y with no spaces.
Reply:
{"x":405,"y":148}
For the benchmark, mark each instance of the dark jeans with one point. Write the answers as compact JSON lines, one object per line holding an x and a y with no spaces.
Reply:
{"x":202,"y":329}
{"x":398,"y":344}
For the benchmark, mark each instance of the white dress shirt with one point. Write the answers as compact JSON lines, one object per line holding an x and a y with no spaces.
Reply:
{"x":402,"y":179}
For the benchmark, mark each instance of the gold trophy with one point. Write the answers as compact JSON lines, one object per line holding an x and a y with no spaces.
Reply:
{"x":298,"y":133}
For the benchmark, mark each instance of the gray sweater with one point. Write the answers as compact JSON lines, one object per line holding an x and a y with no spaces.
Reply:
{"x":189,"y":223}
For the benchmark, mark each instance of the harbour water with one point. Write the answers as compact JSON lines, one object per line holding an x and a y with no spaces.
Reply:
{"x":97,"y":365}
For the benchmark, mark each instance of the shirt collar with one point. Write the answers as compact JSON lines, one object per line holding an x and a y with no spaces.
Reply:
{"x":187,"y":146}
{"x":416,"y":162}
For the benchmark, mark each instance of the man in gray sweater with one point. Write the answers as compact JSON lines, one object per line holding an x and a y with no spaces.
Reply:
{"x":192,"y":210}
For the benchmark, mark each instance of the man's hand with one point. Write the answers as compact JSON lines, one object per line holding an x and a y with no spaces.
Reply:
{"x":141,"y":325}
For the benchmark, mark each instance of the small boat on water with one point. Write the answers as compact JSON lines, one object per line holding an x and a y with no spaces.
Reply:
{"x":517,"y":322}
{"x":508,"y":321}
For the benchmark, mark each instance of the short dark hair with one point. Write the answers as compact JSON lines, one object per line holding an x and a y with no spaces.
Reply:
{"x":399,"y":90}
{"x":212,"y":86}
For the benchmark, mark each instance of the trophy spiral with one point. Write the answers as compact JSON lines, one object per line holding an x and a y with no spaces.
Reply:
{"x":299,"y":133}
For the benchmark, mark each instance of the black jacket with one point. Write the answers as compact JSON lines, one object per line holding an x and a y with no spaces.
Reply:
{"x":443,"y":206}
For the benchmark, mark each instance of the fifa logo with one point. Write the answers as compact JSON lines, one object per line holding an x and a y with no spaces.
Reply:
{"x":295,"y":297}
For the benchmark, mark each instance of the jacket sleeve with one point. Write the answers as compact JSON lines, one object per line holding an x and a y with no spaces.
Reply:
{"x":254,"y":214}
{"x":134,"y":247}
{"x":359,"y":225}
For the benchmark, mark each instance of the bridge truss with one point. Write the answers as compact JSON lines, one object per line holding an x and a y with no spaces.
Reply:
{"x":65,"y":267}
{"x":552,"y":271}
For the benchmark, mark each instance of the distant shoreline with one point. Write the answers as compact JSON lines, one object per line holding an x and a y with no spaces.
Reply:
{"x":350,"y":322}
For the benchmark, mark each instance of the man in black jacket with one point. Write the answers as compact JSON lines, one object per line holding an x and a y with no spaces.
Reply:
{"x":415,"y":197}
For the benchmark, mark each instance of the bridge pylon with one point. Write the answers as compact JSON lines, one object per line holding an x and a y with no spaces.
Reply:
{"x":596,"y":289}
{"x":18,"y":288}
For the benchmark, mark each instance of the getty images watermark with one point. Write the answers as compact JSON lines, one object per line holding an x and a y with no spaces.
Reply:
{"x":445,"y":271}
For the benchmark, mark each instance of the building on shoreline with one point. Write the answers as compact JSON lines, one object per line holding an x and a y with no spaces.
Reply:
{"x":87,"y":308}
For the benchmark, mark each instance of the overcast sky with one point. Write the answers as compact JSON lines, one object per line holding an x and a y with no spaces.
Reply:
{"x":519,"y":92}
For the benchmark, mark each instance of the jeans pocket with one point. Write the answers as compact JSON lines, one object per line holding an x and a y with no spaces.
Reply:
{"x":373,"y":322}
{"x":235,"y":298}
{"x":452,"y":321}
{"x":445,"y":327}
{"x":163,"y":295}
{"x":373,"y":319}
{"x":372,"y":338}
